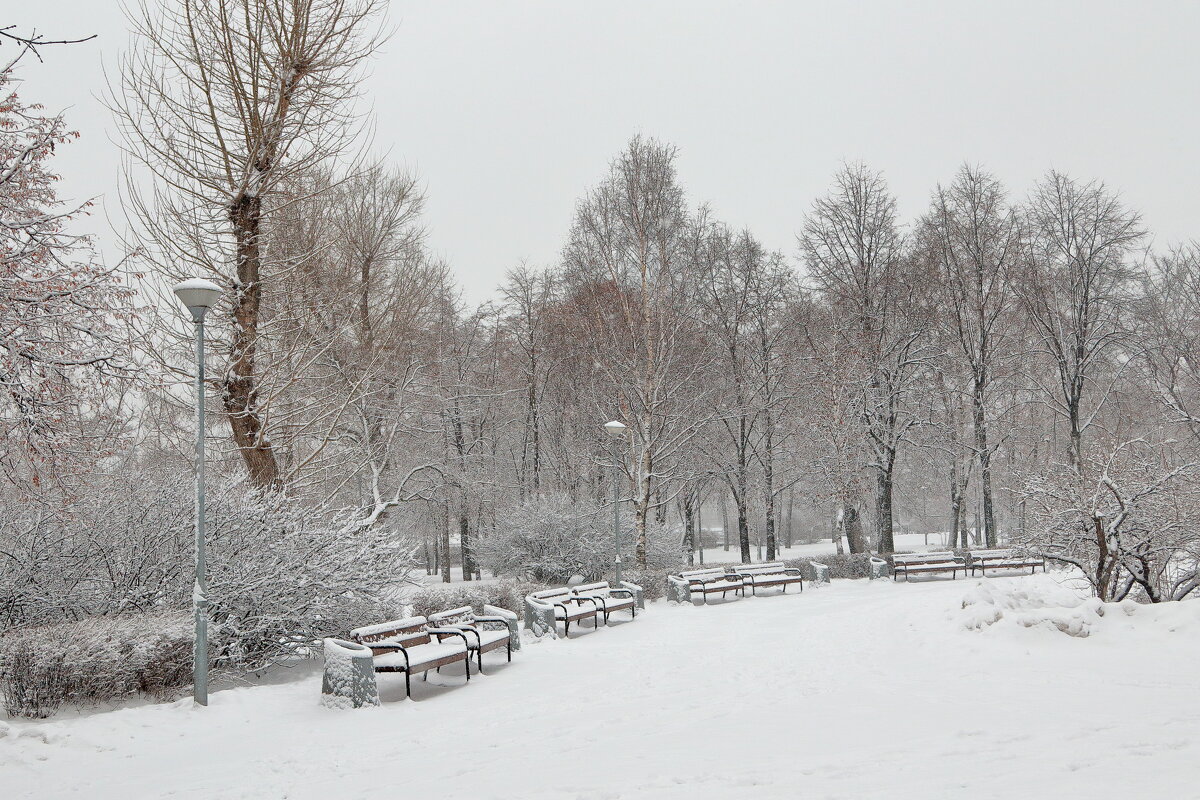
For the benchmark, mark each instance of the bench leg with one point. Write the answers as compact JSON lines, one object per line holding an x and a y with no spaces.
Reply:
{"x":479,"y":652}
{"x":510,"y":647}
{"x":467,"y":664}
{"x":407,"y":685}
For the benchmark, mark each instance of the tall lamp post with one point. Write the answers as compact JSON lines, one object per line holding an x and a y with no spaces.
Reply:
{"x":616,"y":432}
{"x":198,"y":296}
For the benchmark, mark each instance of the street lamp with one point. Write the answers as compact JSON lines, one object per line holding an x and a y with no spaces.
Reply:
{"x":616,"y":432}
{"x":198,"y":296}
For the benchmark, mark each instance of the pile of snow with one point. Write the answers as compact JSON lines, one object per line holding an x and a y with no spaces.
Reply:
{"x":1049,"y":602}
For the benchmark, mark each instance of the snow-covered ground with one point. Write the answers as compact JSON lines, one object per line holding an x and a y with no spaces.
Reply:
{"x":861,"y":689}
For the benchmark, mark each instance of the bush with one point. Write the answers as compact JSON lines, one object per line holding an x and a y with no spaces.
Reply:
{"x":96,"y":659}
{"x":549,"y":539}
{"x":848,"y":565}
{"x":506,"y":594}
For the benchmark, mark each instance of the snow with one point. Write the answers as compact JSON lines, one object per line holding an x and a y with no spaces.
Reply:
{"x":859,"y":690}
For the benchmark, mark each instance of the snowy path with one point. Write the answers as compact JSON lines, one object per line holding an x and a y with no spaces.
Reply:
{"x":858,"y":690}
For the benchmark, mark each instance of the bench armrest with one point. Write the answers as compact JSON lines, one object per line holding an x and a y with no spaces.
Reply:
{"x":440,"y":632}
{"x":392,"y":647}
{"x":621,"y":593}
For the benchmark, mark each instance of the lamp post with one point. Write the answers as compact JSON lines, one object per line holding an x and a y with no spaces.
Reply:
{"x":616,"y":432}
{"x":198,"y":296}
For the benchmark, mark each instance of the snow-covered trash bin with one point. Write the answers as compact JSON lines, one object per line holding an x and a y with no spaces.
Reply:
{"x":539,"y":617}
{"x":639,"y":594}
{"x":820,"y":572}
{"x":349,"y":678}
{"x":678,"y":590}
{"x":878,"y":568}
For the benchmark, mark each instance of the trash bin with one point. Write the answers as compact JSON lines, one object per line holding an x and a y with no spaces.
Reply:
{"x":349,"y":679}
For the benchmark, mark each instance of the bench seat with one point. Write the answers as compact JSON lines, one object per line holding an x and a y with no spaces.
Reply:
{"x":607,"y":598}
{"x":496,"y":628}
{"x":413,"y":645}
{"x":427,"y":656}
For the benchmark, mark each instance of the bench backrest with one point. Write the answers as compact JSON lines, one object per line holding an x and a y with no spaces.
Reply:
{"x":983,"y":554}
{"x":563,"y":593}
{"x":407,"y":631}
{"x":702,"y":574}
{"x":759,"y":569}
{"x":940,"y":557}
{"x":463,"y":615}
{"x":599,"y":587}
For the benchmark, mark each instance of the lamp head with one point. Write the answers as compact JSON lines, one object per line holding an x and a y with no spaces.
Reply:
{"x":197,"y":296}
{"x":614,"y":429}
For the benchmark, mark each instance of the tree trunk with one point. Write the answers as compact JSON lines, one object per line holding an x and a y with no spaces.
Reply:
{"x":725,"y":520}
{"x":240,"y":390}
{"x":464,"y":543}
{"x":985,"y":465}
{"x":689,"y":530}
{"x":789,"y":532}
{"x":642,"y":513}
{"x":852,"y":526}
{"x":769,"y":497}
{"x":444,"y":535}
{"x":883,"y":505}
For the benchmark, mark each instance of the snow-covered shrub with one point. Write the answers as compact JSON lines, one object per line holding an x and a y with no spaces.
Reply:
{"x":505,"y":594}
{"x":96,"y":659}
{"x":549,"y":539}
{"x":282,"y":573}
{"x":847,"y":565}
{"x":1127,"y":518}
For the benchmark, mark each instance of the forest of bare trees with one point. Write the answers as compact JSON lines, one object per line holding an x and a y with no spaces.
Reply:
{"x":1014,"y":366}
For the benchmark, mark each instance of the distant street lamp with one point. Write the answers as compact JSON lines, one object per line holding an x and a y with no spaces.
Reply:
{"x":616,"y":432}
{"x":198,"y":296}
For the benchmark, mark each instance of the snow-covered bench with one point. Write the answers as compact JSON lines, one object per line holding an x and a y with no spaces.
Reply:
{"x":492,"y":630}
{"x":910,"y":564}
{"x":704,"y":582}
{"x":408,"y":646}
{"x":1004,"y":559}
{"x":545,"y":609}
{"x":774,"y":574}
{"x":625,"y":597}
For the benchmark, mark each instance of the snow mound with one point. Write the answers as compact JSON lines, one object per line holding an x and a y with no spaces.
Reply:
{"x":1036,"y":601}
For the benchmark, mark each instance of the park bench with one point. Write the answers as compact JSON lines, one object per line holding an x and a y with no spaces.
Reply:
{"x":545,"y":609}
{"x":608,"y":598}
{"x":774,"y":574}
{"x":408,"y":646}
{"x":494,"y":629}
{"x":1004,"y":559}
{"x":704,"y":582}
{"x":910,"y":564}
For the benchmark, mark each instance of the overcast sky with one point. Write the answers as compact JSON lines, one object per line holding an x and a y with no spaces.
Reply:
{"x":509,"y":111}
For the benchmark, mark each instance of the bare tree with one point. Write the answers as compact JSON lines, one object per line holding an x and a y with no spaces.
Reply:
{"x":852,"y":249}
{"x":630,"y":262}
{"x":222,"y":103}
{"x":974,"y":240}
